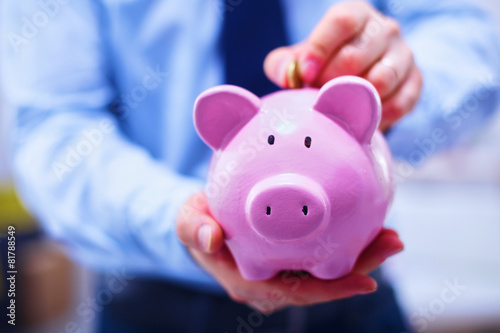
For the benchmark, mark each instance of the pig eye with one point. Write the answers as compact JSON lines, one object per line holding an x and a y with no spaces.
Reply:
{"x":270,"y":139}
{"x":307,"y":141}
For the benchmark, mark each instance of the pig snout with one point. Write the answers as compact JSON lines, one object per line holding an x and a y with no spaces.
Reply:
{"x":287,"y":207}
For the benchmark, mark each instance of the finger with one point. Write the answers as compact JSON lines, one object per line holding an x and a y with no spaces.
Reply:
{"x":392,"y":70}
{"x":223,"y":268}
{"x":197,"y":229}
{"x":266,"y":309}
{"x":273,"y":294}
{"x":265,"y":296}
{"x":385,"y":245}
{"x":362,"y":52}
{"x":219,"y":264}
{"x":403,"y":100}
{"x":277,"y":62}
{"x":341,"y":23}
{"x":313,"y":290}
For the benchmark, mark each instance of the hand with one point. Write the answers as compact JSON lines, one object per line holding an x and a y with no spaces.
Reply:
{"x":204,"y":238}
{"x":353,"y":38}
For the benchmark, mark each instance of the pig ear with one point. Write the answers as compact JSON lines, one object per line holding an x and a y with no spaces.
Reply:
{"x":353,"y":103}
{"x":220,"y":112}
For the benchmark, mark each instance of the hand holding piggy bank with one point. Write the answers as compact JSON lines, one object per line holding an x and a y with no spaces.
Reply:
{"x":300,"y":179}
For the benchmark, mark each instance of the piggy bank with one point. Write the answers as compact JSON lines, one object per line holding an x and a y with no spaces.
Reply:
{"x":299,"y":179}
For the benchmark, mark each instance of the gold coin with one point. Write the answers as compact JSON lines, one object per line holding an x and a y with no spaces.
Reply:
{"x":293,"y":76}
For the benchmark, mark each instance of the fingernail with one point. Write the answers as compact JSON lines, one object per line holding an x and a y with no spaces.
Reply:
{"x":392,"y":252}
{"x":205,"y":237}
{"x":366,"y":291}
{"x":309,"y":69}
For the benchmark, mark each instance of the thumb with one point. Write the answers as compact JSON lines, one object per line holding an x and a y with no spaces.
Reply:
{"x":199,"y":230}
{"x":277,"y":62}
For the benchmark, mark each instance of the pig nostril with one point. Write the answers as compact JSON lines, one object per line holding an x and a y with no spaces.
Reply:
{"x":304,"y":210}
{"x":307,"y":142}
{"x":268,"y":210}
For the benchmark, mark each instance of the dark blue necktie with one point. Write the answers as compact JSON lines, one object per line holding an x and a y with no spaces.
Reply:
{"x":252,"y":28}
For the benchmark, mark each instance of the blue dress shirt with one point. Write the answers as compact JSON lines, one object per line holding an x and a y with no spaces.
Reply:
{"x":104,"y":149}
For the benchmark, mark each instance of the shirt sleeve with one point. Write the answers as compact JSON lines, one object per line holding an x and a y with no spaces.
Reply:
{"x":457,"y":51}
{"x":88,"y":185}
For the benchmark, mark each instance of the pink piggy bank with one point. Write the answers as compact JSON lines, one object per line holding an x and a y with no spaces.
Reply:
{"x":299,"y":179}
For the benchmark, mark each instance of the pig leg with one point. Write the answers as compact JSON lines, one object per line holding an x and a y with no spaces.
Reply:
{"x":331,"y":270}
{"x":255,"y":272}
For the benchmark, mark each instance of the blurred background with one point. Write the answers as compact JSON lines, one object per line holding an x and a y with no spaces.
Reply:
{"x":447,"y":212}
